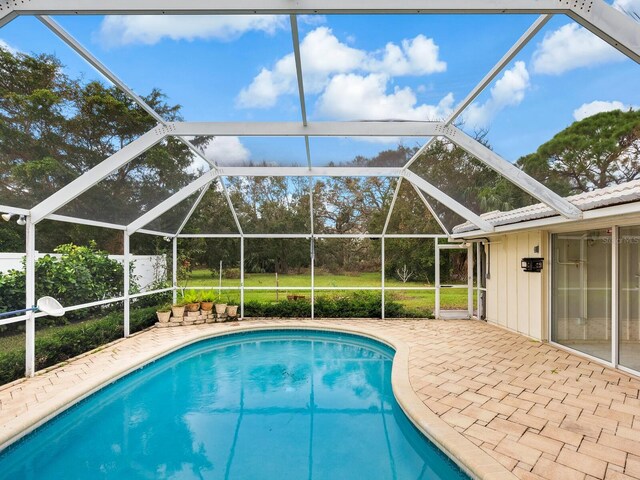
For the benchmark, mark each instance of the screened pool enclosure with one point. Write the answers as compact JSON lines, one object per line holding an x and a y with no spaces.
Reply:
{"x":85,"y":198}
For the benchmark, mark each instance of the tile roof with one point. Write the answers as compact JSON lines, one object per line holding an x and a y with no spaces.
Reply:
{"x":602,"y":197}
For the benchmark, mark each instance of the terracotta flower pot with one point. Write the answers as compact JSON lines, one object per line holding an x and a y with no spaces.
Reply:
{"x":192,"y":307}
{"x":163,"y":317}
{"x":221,"y":308}
{"x":232,"y":310}
{"x":206,"y":306}
{"x":177,"y":310}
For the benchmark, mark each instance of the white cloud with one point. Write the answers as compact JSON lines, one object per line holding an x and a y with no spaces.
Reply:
{"x":418,"y":56}
{"x":150,"y":29}
{"x":324,"y":56}
{"x":354,"y":97}
{"x":508,"y":91}
{"x":312,"y":20}
{"x":227,"y":151}
{"x":588,"y":109}
{"x":570,"y":47}
{"x":4,"y":45}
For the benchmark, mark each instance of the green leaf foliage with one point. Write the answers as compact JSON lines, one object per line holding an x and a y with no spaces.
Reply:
{"x":355,"y":305}
{"x":600,"y":150}
{"x":80,"y":275}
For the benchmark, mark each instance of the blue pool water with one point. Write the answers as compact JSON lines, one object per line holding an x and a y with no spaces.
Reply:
{"x":264,"y":405}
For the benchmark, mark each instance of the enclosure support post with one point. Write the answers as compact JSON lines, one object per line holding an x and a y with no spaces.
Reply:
{"x":174,"y":270}
{"x":127,"y":300}
{"x":470,"y":280}
{"x":382,"y":275}
{"x":242,"y":277}
{"x":437,"y":305}
{"x":313,"y":278}
{"x":30,"y":288}
{"x":478,"y":282}
{"x":615,"y":294}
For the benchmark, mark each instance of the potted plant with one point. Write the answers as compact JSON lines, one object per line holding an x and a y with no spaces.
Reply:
{"x":164,"y":313}
{"x":206,"y":300}
{"x":232,"y":311}
{"x":177,"y":310}
{"x":192,"y":301}
{"x":221,"y":308}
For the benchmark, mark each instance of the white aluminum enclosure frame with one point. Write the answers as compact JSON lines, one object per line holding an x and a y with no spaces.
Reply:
{"x":607,"y":23}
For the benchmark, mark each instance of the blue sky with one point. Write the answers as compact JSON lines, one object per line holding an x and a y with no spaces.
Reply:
{"x":356,"y":67}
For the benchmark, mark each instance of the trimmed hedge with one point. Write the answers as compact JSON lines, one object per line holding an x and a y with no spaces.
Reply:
{"x":62,"y":343}
{"x":356,"y":305}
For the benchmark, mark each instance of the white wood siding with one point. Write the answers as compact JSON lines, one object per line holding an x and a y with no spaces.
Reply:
{"x":516,"y":299}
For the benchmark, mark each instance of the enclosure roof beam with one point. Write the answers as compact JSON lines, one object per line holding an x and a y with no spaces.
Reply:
{"x":531,"y":32}
{"x":314,"y":172}
{"x":215,"y":168}
{"x":6,"y":15}
{"x":513,"y":173}
{"x":84,"y":221}
{"x":171,"y":202}
{"x":431,"y":210}
{"x":226,"y":7}
{"x":526,"y":37}
{"x":447,"y":201}
{"x":14,"y":210}
{"x":312,"y":129}
{"x":295,"y":37}
{"x":611,"y":25}
{"x":192,"y":209}
{"x":98,"y":173}
{"x":98,"y":65}
{"x":393,"y":204}
{"x":113,"y":78}
{"x":596,"y":15}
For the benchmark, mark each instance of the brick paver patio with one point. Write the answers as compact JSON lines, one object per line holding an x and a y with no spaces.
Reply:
{"x":539,"y":411}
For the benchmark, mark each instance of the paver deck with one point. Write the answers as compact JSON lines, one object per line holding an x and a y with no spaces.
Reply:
{"x":504,"y":404}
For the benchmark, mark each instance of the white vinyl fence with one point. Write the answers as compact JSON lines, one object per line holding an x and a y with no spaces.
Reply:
{"x":147,"y":269}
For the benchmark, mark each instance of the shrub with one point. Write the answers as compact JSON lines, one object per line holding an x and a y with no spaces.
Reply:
{"x":61,"y":343}
{"x":79,"y":275}
{"x":355,"y":305}
{"x":283,"y":308}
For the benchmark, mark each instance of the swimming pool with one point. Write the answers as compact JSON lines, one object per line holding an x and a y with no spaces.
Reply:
{"x":260,"y":405}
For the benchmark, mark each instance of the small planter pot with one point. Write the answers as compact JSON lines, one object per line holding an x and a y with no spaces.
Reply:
{"x":221,"y":308}
{"x":192,"y":307}
{"x":163,"y":317}
{"x":206,"y":306}
{"x":232,"y":311}
{"x":177,"y":310}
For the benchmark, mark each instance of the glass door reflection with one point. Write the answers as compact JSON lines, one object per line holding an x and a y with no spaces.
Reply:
{"x":629,"y":303}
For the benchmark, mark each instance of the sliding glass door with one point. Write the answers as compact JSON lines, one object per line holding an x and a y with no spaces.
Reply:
{"x":581,"y":298}
{"x":629,"y":303}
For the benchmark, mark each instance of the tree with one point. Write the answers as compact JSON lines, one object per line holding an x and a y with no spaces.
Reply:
{"x":600,"y":150}
{"x":54,"y":128}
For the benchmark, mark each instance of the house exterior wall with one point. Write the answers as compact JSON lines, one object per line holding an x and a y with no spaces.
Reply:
{"x":517,"y":300}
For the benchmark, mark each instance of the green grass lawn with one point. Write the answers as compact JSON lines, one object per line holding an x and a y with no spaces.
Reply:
{"x":450,"y":298}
